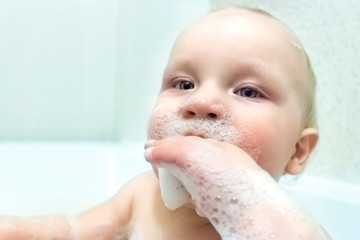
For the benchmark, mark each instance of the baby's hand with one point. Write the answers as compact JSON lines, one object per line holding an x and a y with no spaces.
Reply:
{"x":214,"y":173}
{"x":231,"y":190}
{"x":183,"y":151}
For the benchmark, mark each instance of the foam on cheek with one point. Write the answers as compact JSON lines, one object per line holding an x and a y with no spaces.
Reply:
{"x":170,"y":125}
{"x":166,"y":124}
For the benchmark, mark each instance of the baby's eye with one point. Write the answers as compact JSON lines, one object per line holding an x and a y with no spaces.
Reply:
{"x":184,"y":85}
{"x":248,"y":92}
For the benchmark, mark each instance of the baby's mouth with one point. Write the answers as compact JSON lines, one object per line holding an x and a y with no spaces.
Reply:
{"x":196,"y":134}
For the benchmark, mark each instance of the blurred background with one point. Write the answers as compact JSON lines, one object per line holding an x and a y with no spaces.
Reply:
{"x":90,"y":70}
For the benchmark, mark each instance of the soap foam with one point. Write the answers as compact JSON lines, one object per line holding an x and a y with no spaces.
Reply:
{"x":243,"y":203}
{"x":173,"y":191}
{"x":167,"y":124}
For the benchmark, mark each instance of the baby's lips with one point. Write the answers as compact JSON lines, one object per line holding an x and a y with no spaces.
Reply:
{"x":194,"y":133}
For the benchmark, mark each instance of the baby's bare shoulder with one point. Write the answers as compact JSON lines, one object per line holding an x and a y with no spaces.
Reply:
{"x":113,"y":217}
{"x":128,"y":195}
{"x":143,"y":181}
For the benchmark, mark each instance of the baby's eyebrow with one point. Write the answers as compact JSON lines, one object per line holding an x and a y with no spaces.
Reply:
{"x":180,"y":66}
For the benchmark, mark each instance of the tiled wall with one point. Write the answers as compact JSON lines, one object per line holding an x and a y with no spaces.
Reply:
{"x":330,"y":31}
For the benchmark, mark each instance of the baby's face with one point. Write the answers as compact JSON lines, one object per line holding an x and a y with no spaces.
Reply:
{"x":235,"y":78}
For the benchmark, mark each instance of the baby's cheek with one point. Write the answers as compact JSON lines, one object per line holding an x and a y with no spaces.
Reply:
{"x":267,"y":156}
{"x":250,"y":141}
{"x":157,"y":121}
{"x":153,"y":128}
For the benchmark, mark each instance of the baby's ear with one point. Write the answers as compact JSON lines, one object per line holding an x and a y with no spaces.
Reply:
{"x":304,"y":146}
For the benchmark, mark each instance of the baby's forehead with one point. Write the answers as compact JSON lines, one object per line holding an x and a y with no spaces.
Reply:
{"x":246,"y":20}
{"x":239,"y":29}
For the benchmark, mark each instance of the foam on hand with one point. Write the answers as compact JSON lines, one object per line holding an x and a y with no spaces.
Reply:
{"x":173,"y":191}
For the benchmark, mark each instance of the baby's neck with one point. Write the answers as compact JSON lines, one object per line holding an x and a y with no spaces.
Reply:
{"x":184,"y":216}
{"x":185,"y":219}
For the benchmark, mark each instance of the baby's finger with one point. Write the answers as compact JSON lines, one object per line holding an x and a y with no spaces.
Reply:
{"x":150,"y":143}
{"x":173,"y":150}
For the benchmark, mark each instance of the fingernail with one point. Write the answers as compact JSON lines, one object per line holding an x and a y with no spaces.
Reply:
{"x":149,"y":143}
{"x":148,"y":154}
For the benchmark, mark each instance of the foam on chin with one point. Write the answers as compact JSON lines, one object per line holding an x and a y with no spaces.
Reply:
{"x":173,"y":192}
{"x":166,"y":124}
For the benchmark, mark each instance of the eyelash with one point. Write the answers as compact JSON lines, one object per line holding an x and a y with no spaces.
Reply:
{"x":242,"y":92}
{"x":180,"y":84}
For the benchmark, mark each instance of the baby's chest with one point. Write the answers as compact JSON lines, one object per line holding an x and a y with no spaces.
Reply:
{"x":151,"y":231}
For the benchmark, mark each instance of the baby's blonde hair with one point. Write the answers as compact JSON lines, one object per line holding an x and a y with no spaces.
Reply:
{"x":310,"y":119}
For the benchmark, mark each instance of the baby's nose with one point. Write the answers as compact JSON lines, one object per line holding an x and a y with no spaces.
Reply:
{"x":202,"y":106}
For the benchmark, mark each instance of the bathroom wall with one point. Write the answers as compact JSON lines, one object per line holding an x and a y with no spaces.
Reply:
{"x":84,"y":70}
{"x":330,"y":32}
{"x":146,"y":37}
{"x":58,"y":67}
{"x":89,"y":70}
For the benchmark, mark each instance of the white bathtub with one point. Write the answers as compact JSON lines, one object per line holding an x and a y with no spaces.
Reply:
{"x":68,"y":178}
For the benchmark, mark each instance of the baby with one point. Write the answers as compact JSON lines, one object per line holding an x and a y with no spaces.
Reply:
{"x":235,"y":112}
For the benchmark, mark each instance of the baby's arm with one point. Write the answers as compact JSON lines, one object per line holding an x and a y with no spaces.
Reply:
{"x":16,"y":228}
{"x":106,"y":221}
{"x":241,"y":200}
